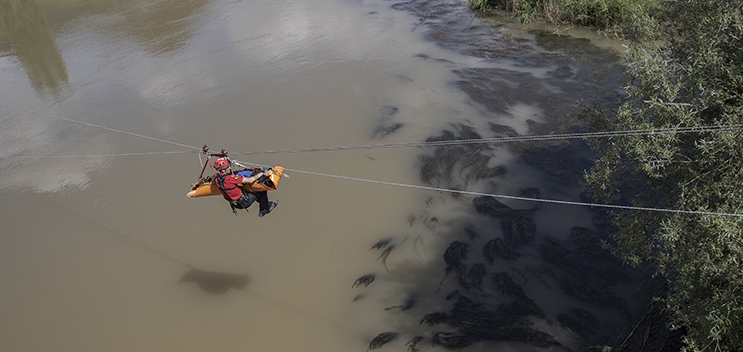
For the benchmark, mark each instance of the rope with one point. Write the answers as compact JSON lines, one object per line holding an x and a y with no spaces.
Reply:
{"x":88,"y":155}
{"x":509,"y":139}
{"x":502,"y":196}
{"x":103,"y":127}
{"x":580,"y":135}
{"x":459,"y":142}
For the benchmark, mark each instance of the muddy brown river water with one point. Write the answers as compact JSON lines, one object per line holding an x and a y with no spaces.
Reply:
{"x":104,"y":105}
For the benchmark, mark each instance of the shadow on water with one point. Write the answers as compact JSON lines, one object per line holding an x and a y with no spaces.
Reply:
{"x":25,"y":32}
{"x":538,"y":276}
{"x":215,"y":282}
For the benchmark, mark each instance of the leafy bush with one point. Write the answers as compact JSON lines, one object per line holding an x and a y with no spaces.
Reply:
{"x":604,"y":14}
{"x":687,"y":73}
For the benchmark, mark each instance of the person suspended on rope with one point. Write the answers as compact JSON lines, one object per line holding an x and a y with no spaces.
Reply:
{"x":229,"y":183}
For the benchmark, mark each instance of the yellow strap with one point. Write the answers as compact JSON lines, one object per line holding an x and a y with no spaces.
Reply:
{"x":238,"y":164}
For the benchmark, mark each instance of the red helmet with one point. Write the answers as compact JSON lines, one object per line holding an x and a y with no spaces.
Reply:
{"x":221,"y":164}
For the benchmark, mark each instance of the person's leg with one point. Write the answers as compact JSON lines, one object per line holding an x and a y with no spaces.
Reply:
{"x":246,"y":200}
{"x":266,"y":206}
{"x":263,"y":200}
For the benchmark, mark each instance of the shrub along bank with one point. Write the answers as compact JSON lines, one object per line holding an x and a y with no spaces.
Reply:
{"x":687,"y":73}
{"x":685,"y":70}
{"x":608,"y":15}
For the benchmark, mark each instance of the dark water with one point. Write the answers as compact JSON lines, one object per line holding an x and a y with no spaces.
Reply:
{"x":511,"y":275}
{"x":101,"y":250}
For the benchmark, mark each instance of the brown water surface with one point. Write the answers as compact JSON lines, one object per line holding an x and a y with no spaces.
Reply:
{"x":97,"y":231}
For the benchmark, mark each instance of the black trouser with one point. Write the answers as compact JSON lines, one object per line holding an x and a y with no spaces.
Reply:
{"x":249,"y":197}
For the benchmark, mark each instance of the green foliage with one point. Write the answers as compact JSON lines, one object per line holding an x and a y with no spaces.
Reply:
{"x":694,"y":78}
{"x":484,"y":4}
{"x":611,"y":15}
{"x":527,"y":10}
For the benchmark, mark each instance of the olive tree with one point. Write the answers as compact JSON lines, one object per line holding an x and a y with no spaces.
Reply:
{"x":686,"y":71}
